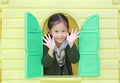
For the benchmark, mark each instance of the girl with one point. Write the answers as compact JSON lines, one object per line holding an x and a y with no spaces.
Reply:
{"x":59,"y":50}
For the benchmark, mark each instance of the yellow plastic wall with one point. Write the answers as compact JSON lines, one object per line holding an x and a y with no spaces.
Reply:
{"x":0,"y":63}
{"x":13,"y":53}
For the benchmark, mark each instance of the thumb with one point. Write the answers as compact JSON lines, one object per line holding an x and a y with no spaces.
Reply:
{"x":53,"y":39}
{"x":67,"y":34}
{"x":53,"y":43}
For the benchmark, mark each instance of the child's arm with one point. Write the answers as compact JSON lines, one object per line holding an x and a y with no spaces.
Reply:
{"x":47,"y":59}
{"x":73,"y":54}
{"x":72,"y":37}
{"x":48,"y":49}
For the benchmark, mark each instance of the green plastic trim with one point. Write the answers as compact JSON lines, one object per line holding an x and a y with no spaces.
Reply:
{"x":89,"y":63}
{"x":33,"y":47}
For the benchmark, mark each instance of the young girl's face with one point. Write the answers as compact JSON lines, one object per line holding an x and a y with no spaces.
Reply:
{"x":59,"y":32}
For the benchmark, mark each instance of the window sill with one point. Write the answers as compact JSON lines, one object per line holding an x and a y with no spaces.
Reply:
{"x":60,"y":78}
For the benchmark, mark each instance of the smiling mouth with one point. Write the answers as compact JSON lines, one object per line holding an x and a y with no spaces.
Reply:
{"x":60,"y":39}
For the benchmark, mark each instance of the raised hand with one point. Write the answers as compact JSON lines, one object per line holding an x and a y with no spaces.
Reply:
{"x":72,"y":37}
{"x":49,"y":42}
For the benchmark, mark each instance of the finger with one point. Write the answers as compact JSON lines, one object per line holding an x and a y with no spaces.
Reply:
{"x":44,"y":35}
{"x":77,"y":36}
{"x":76,"y":30}
{"x":45,"y":39}
{"x":77,"y":33}
{"x":72,"y":31}
{"x":67,"y":34}
{"x":44,"y":44}
{"x":53,"y":40}
{"x":49,"y":36}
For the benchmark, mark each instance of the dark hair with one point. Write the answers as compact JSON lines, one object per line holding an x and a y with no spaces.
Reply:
{"x":56,"y":18}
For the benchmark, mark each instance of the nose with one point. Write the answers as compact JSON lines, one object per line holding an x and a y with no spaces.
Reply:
{"x":59,"y":34}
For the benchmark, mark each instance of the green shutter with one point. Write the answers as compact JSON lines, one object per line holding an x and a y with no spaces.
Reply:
{"x":89,"y":63}
{"x":33,"y":47}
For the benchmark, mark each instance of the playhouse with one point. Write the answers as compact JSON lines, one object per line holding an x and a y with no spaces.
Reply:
{"x":12,"y":38}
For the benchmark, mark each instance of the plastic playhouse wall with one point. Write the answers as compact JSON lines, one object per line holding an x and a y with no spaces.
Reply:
{"x":12,"y":49}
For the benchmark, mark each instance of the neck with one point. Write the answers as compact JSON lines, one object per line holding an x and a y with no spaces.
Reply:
{"x":58,"y":44}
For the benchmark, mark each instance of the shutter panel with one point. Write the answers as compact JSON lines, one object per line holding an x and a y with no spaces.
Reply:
{"x":33,"y":47}
{"x":89,"y":63}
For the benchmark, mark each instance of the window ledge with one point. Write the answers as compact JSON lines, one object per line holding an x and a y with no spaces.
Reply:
{"x":60,"y":78}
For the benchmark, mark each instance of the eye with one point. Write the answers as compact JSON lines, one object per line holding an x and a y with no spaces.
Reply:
{"x":56,"y":31}
{"x":63,"y":30}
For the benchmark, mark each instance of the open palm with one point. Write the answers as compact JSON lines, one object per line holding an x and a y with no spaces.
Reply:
{"x":49,"y":42}
{"x":72,"y":37}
